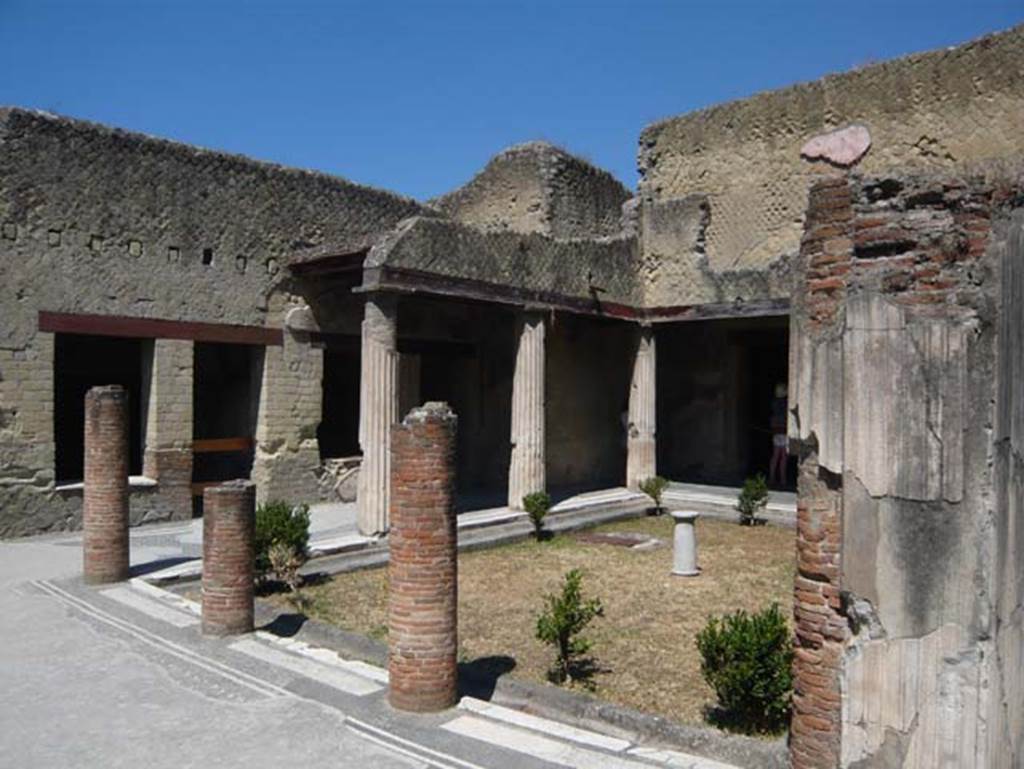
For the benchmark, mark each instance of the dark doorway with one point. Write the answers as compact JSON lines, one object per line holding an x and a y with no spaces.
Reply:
{"x":81,"y":362}
{"x":338,"y":433}
{"x":588,"y":369}
{"x":716,"y":384}
{"x":226,"y":387}
{"x":476,"y":381}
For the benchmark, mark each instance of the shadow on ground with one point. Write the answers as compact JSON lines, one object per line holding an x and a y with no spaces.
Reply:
{"x":164,"y":563}
{"x":479,"y":677}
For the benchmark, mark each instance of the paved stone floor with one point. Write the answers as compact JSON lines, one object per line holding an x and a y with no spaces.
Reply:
{"x":120,"y":677}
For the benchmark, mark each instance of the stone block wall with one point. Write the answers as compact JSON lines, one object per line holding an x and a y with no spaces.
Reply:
{"x":941,"y":110}
{"x":168,"y":425}
{"x":286,"y":464}
{"x":95,"y":220}
{"x":898,"y":340}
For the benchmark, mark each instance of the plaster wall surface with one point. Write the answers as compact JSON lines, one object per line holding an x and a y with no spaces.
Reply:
{"x":95,"y":220}
{"x":940,"y":110}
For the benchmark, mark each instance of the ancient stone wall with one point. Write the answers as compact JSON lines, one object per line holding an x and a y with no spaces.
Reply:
{"x":100,"y":221}
{"x":536,"y":187}
{"x":938,"y":110}
{"x":895,"y":358}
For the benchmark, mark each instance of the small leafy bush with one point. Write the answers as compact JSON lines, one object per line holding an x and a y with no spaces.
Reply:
{"x":536,"y":505}
{"x":564,"y":617}
{"x":278,"y":523}
{"x":654,"y":487}
{"x":752,"y":499}
{"x":747,"y":659}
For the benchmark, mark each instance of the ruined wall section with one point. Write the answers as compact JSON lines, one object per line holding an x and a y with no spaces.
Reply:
{"x":674,"y":270}
{"x":101,"y":221}
{"x":894,"y":361}
{"x":933,"y":111}
{"x":537,"y":187}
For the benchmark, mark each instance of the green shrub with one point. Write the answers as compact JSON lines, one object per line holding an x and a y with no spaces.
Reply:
{"x":536,"y":505}
{"x":564,"y":617}
{"x":752,"y":499}
{"x":654,"y":487}
{"x":747,"y":659}
{"x":278,"y":523}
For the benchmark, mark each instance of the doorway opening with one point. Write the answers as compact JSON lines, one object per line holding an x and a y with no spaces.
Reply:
{"x":81,"y":362}
{"x":716,"y":390}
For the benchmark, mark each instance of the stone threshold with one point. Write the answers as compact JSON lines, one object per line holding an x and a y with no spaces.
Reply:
{"x":720,"y":502}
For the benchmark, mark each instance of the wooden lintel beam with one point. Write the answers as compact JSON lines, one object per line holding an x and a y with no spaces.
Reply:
{"x":157,"y":328}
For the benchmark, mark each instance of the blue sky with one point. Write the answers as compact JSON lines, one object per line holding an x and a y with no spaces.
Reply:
{"x":415,"y":96}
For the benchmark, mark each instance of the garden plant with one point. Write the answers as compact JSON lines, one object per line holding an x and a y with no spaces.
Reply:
{"x":537,"y":504}
{"x":654,"y":487}
{"x":747,"y":659}
{"x":752,"y":500}
{"x":565,"y":616}
{"x":283,"y":525}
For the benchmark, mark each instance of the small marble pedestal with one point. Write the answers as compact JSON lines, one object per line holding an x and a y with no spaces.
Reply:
{"x":684,"y":562}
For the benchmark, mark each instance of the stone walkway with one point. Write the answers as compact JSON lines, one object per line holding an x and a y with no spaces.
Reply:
{"x":120,"y":677}
{"x":720,"y":502}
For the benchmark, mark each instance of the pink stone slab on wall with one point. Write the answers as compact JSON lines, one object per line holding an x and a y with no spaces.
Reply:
{"x":843,"y":147}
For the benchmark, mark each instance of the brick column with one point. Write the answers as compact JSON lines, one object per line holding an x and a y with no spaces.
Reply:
{"x":821,"y":627}
{"x":105,"y":508}
{"x":229,"y":522}
{"x":526,"y":472}
{"x":641,"y":451}
{"x":422,"y":573}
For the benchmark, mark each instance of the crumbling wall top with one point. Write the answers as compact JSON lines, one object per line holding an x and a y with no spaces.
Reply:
{"x":537,"y":187}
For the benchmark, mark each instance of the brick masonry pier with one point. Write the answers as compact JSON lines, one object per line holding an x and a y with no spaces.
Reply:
{"x":422,"y":575}
{"x":105,"y":507}
{"x":229,"y":522}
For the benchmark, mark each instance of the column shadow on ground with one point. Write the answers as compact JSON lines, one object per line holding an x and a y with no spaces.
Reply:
{"x":478,"y":678}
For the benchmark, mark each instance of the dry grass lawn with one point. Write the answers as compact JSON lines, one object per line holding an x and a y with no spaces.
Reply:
{"x":644,"y":645}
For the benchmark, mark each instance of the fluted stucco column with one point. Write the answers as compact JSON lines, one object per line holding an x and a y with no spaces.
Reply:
{"x":526,"y":470}
{"x":378,"y":410}
{"x":641,"y":458}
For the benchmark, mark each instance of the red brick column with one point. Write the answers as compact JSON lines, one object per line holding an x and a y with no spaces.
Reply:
{"x":422,"y":574}
{"x":826,"y":252}
{"x":105,"y":502}
{"x":821,"y":628}
{"x":229,"y":527}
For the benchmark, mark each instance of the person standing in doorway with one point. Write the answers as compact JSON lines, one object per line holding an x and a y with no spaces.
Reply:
{"x":777,"y":466}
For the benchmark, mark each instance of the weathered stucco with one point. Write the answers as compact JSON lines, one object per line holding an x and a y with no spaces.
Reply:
{"x":937,"y":110}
